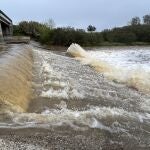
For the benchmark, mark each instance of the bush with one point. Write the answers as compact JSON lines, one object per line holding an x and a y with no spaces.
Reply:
{"x":66,"y":36}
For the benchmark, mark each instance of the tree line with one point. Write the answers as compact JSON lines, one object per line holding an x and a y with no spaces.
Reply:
{"x":136,"y":32}
{"x":137,"y":20}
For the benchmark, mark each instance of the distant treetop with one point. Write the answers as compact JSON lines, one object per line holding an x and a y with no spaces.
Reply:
{"x":91,"y":28}
{"x":146,"y":19}
{"x":135,"y":21}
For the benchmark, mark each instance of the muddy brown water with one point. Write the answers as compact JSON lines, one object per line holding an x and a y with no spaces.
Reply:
{"x":42,"y":92}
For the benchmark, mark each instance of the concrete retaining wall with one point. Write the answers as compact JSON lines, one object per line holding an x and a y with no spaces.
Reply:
{"x":17,"y":39}
{"x":1,"y":35}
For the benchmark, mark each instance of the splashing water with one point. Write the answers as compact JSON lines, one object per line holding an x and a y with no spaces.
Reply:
{"x":67,"y":93}
{"x":137,"y":77}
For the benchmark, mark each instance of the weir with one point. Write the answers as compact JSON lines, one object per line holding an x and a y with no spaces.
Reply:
{"x":1,"y":34}
{"x":15,"y":79}
{"x":68,"y":96}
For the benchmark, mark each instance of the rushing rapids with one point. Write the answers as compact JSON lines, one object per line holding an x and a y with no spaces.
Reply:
{"x":54,"y":90}
{"x":136,"y":78}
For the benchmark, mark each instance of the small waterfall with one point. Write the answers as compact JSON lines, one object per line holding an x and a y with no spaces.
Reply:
{"x":15,"y":79}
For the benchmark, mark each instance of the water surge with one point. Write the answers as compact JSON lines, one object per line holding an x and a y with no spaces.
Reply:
{"x":137,"y":78}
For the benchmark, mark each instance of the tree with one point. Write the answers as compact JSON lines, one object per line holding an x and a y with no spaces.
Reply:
{"x":50,"y":23}
{"x":135,"y":21}
{"x":146,"y":19}
{"x":91,"y":28}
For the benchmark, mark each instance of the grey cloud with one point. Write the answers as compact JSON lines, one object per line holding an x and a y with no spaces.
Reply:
{"x":78,"y":13}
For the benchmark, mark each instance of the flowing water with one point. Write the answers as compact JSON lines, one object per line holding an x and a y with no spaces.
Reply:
{"x":102,"y":89}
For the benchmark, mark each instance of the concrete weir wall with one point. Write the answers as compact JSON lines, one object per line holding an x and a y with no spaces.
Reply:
{"x":1,"y":34}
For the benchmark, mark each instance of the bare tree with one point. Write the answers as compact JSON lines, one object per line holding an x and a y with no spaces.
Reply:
{"x":50,"y":23}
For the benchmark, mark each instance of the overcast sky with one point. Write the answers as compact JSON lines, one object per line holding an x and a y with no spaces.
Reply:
{"x":77,"y":13}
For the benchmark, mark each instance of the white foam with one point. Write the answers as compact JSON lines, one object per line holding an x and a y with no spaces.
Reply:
{"x":77,"y":51}
{"x":136,"y":76}
{"x":56,"y":94}
{"x":91,"y":118}
{"x":57,"y":87}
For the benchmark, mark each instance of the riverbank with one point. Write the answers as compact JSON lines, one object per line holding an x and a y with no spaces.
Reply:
{"x":105,"y":45}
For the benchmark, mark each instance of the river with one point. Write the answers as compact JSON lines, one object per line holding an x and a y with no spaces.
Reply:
{"x":100,"y":93}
